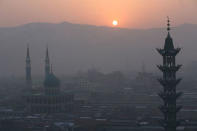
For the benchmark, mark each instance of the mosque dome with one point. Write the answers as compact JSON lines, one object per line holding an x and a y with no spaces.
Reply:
{"x":51,"y":81}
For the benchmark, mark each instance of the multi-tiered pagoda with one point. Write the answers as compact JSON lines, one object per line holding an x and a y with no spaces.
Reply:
{"x":169,"y":95}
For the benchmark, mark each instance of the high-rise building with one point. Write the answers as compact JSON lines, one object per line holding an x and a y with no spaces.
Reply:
{"x":169,"y":95}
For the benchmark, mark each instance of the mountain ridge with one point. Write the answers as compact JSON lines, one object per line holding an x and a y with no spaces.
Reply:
{"x":91,"y":25}
{"x":76,"y":47}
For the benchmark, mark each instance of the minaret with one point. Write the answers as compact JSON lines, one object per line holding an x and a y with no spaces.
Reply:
{"x":28,"y":69}
{"x":47,"y":63}
{"x":51,"y":71}
{"x":169,"y":95}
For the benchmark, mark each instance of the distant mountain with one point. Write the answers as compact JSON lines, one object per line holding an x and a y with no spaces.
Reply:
{"x":76,"y":47}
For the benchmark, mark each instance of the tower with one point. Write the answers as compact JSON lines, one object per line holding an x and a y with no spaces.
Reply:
{"x":28,"y":69}
{"x":47,"y":63}
{"x":169,"y":95}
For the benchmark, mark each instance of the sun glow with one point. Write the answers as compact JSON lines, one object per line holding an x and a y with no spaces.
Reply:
{"x":115,"y":22}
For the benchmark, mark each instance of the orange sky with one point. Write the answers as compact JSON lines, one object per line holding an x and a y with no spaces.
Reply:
{"x":129,"y":13}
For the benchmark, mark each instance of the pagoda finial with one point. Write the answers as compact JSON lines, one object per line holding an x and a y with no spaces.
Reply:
{"x":168,"y":24}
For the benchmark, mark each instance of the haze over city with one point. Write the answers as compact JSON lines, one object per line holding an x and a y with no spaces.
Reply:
{"x":98,"y":65}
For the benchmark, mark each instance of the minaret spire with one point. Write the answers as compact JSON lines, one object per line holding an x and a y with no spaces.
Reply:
{"x":51,"y":69}
{"x":168,"y":24}
{"x":169,"y":95}
{"x":47,"y":63}
{"x":168,"y":42}
{"x":28,"y":69}
{"x":47,"y":52}
{"x":28,"y":56}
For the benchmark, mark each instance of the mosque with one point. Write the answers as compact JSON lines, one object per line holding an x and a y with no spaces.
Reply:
{"x":51,"y":99}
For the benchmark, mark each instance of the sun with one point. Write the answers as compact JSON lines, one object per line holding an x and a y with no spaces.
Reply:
{"x":115,"y":22}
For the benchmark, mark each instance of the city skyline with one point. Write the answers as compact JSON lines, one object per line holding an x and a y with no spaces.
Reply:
{"x":98,"y":65}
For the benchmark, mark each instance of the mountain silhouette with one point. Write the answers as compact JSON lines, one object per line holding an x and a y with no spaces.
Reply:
{"x":74,"y":47}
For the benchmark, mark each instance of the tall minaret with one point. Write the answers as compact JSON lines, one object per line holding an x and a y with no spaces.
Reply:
{"x":47,"y":63}
{"x":28,"y":69}
{"x":169,"y":95}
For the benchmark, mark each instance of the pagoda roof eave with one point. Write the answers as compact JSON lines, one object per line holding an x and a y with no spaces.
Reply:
{"x":172,"y":52}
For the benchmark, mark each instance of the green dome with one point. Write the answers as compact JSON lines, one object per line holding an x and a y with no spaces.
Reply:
{"x":51,"y":81}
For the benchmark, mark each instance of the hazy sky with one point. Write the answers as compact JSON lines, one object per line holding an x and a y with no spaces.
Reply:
{"x":129,"y":13}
